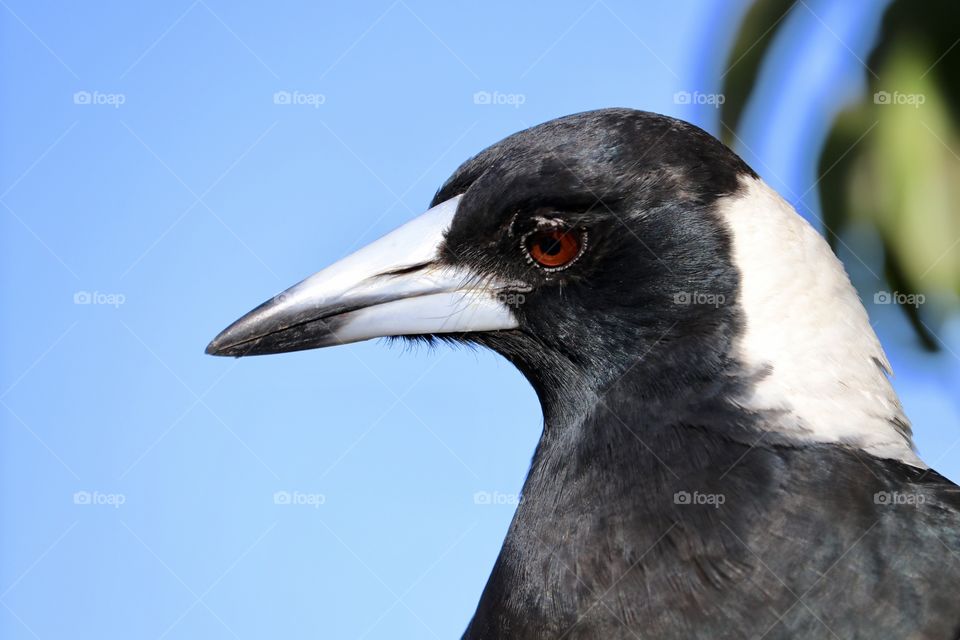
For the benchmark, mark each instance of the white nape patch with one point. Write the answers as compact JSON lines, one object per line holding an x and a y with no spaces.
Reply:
{"x":806,"y":324}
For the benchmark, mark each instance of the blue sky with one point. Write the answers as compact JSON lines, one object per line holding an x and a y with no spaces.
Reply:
{"x":167,"y":167}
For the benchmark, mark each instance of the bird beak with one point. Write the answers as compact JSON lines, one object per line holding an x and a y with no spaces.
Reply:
{"x":394,"y":286}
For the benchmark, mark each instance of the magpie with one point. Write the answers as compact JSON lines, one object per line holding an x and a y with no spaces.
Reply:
{"x":723,"y":454}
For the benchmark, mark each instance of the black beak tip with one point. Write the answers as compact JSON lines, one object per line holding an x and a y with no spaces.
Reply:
{"x":242,"y":339}
{"x":213,"y":349}
{"x":219,"y":347}
{"x":233,"y":341}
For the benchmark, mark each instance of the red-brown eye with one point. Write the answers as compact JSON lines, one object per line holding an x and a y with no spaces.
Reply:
{"x":554,"y":248}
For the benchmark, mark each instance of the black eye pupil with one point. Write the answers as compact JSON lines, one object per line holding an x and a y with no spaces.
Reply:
{"x":549,"y":245}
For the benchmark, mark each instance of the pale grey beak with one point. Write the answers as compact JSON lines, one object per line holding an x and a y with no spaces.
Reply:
{"x":394,"y":286}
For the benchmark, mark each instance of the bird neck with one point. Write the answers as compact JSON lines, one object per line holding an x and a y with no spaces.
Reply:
{"x":602,"y":503}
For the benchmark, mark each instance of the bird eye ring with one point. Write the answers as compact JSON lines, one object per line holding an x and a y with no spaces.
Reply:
{"x":554,"y":248}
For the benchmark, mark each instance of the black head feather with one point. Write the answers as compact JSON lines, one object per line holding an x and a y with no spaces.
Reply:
{"x":643,"y":187}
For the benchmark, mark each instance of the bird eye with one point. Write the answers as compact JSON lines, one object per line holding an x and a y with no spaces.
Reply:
{"x":554,"y":248}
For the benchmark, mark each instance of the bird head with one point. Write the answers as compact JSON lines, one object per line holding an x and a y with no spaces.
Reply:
{"x":598,"y":248}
